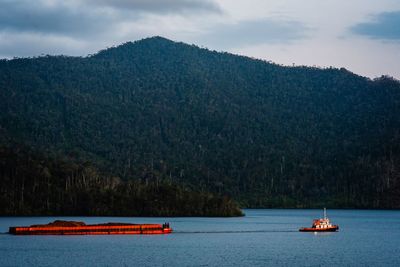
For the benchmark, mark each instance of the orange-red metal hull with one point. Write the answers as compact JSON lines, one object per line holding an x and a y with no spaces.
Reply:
{"x":99,"y":229}
{"x":311,"y":229}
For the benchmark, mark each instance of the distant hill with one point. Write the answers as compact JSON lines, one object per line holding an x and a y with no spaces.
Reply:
{"x":266,"y":135}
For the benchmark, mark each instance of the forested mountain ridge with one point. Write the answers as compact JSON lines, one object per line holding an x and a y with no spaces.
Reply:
{"x":270,"y":136}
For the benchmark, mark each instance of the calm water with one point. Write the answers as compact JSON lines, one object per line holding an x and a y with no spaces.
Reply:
{"x":262,"y":238}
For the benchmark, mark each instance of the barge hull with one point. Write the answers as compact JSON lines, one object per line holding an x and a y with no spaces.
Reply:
{"x":99,"y":229}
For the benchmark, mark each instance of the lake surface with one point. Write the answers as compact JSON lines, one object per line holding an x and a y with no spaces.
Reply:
{"x":261,"y":238}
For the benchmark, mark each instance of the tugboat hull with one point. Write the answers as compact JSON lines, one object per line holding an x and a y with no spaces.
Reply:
{"x":311,"y":229}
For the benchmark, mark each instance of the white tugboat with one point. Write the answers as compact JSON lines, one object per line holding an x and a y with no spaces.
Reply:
{"x":321,"y":225}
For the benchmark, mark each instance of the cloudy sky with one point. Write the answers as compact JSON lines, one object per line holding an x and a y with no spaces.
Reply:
{"x":360,"y":35}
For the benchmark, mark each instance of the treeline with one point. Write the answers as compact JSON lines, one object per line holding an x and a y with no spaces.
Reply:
{"x":267,"y":135}
{"x":32,"y":183}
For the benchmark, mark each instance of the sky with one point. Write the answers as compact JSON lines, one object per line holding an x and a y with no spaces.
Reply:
{"x":362,"y":36}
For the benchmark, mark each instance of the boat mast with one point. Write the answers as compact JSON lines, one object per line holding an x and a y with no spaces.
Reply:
{"x":325,"y":213}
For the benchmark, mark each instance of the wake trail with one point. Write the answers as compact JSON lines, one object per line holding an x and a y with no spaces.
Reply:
{"x":234,"y":232}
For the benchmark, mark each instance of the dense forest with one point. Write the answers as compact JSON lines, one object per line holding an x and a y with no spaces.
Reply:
{"x":35,"y":184}
{"x":214,"y":123}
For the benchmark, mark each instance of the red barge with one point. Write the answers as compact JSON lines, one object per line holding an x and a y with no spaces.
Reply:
{"x":321,"y":225}
{"x":80,"y":228}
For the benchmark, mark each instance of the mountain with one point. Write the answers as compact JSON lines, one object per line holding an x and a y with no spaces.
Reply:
{"x":264,"y":134}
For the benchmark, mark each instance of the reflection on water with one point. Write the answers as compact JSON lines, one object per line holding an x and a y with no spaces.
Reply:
{"x":323,"y":233}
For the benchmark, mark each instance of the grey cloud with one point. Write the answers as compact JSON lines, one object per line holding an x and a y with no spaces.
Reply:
{"x":33,"y":27}
{"x":254,"y":32}
{"x":160,"y":6}
{"x":385,"y":26}
{"x":36,"y":16}
{"x":86,"y":17}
